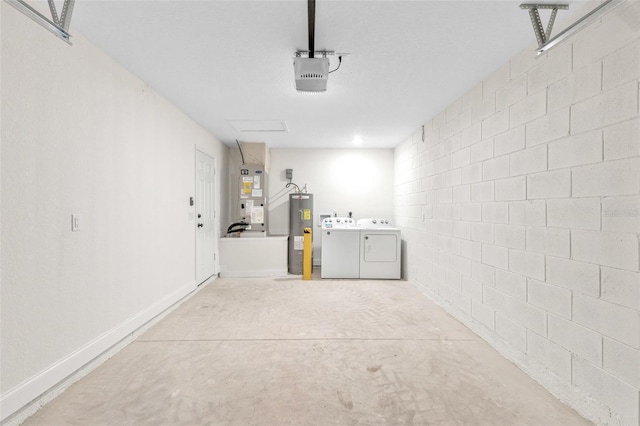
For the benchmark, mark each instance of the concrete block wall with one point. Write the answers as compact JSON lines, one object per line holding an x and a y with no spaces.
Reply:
{"x":520,"y":210}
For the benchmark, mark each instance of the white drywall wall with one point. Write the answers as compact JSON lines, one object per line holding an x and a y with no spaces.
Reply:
{"x":81,"y":135}
{"x":341,"y":180}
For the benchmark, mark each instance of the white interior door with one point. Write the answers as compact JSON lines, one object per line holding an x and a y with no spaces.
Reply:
{"x":206,"y":232}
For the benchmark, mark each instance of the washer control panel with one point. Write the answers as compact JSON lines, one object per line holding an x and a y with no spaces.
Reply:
{"x":338,"y":222}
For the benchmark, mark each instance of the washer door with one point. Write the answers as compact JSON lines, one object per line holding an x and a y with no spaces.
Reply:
{"x":340,"y":255}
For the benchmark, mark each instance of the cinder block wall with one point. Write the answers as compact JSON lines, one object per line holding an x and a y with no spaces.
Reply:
{"x":520,"y":210}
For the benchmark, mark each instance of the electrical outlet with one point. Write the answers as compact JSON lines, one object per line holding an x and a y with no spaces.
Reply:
{"x":75,"y":222}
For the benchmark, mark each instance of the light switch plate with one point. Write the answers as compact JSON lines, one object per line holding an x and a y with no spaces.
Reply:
{"x":75,"y":222}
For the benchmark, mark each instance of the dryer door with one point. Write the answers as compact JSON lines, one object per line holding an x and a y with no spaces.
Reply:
{"x":380,"y":248}
{"x":380,"y":254}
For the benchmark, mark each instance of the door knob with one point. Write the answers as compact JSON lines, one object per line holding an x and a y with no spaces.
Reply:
{"x":199,"y":215}
{"x":199,"y":225}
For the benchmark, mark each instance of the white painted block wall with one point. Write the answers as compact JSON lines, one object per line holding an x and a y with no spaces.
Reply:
{"x":521,"y":213}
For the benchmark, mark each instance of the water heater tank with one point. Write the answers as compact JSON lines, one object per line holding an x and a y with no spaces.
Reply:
{"x":300,"y":217}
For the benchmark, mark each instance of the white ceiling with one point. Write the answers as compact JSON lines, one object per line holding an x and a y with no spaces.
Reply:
{"x":221,"y":61}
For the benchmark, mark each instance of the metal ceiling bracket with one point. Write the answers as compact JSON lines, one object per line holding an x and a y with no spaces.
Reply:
{"x":547,"y":42}
{"x":319,"y":53}
{"x":54,"y":12}
{"x":542,"y":36}
{"x":58,"y":26}
{"x":67,"y":10}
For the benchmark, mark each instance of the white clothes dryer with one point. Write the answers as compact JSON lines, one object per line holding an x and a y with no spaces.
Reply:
{"x":340,"y":255}
{"x":380,"y":249}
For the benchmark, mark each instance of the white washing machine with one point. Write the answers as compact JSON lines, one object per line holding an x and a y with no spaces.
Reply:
{"x":380,"y":249}
{"x":340,"y":255}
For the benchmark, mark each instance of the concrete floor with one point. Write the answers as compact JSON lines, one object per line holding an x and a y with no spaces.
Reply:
{"x":324,"y":352}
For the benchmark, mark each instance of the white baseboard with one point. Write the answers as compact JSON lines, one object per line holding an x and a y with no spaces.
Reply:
{"x":25,"y":399}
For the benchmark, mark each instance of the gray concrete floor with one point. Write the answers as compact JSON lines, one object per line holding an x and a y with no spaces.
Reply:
{"x":324,"y":352}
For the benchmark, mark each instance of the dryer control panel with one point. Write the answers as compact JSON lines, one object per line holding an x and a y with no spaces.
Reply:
{"x":370,"y":223}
